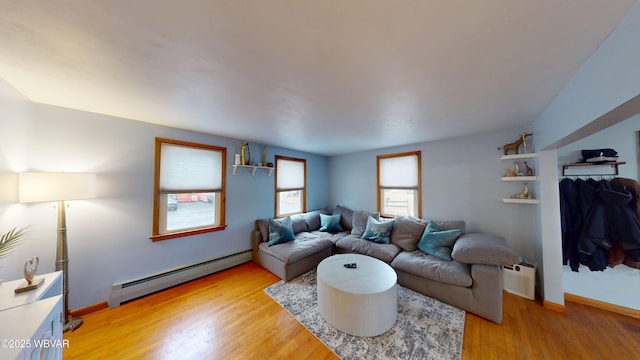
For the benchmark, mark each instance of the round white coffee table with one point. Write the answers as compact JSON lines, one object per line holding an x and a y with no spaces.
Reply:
{"x":361,"y":301}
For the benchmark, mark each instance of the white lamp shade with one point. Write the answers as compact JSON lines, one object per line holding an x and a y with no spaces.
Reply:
{"x":46,"y":186}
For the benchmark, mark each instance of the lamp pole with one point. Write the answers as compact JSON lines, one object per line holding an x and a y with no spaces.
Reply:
{"x":62,"y":264}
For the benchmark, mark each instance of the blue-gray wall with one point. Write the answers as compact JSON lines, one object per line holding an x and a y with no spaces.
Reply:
{"x":460,"y":181}
{"x":109,"y":236}
{"x":606,"y":83}
{"x":622,"y":137}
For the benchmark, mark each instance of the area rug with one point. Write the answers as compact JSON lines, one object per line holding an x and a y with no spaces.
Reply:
{"x":425,"y":329}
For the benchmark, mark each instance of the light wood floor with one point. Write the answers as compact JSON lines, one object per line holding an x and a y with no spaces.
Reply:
{"x":228,"y":316}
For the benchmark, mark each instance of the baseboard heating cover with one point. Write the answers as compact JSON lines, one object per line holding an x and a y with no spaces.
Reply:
{"x":135,"y":288}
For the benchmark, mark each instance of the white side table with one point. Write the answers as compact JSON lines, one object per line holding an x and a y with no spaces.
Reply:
{"x":35,"y":331}
{"x":51,"y":286}
{"x":361,"y":301}
{"x":33,"y":320}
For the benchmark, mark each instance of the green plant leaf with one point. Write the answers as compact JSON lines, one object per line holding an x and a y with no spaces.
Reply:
{"x":11,"y":239}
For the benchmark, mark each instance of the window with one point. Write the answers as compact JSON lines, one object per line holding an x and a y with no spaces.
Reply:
{"x":189,"y":189}
{"x":399,"y":184}
{"x":291,"y":185}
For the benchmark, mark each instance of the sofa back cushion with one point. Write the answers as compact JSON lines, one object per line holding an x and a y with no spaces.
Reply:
{"x":485,"y":249}
{"x":262,"y":225}
{"x":346,"y":217}
{"x":407,"y":232}
{"x":450,"y":225}
{"x":313,"y":219}
{"x":299,"y":223}
{"x":359,"y":221}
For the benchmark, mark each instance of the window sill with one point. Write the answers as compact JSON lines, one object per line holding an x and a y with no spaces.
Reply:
{"x":174,"y":235}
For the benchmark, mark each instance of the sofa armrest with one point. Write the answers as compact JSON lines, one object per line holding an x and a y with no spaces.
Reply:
{"x":256,"y":239}
{"x":485,"y":249}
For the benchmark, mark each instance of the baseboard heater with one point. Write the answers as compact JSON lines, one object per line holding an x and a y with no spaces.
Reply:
{"x":135,"y":288}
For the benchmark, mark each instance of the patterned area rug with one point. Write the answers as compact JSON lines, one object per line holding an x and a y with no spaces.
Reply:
{"x":425,"y":329}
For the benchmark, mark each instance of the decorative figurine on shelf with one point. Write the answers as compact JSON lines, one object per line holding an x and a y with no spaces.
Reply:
{"x":264,"y":154}
{"x":524,"y":194}
{"x":515,"y":146}
{"x":243,"y":147}
{"x":515,"y":172}
{"x":529,"y":170}
{"x":30,"y":269}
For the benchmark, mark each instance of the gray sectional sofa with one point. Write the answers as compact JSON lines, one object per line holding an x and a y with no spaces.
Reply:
{"x":472,"y":280}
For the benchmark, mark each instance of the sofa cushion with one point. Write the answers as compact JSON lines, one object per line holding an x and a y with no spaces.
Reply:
{"x":299,"y":223}
{"x":294,"y":251}
{"x":438,"y":243}
{"x":354,"y":244}
{"x":378,"y":231}
{"x":262,"y":225}
{"x":432,"y":268}
{"x":280,"y":231}
{"x":407,"y":231}
{"x":316,"y":235}
{"x":330,"y":223}
{"x":346,"y":216}
{"x":313,"y":219}
{"x":359,"y":221}
{"x":450,"y":225}
{"x":484,"y":249}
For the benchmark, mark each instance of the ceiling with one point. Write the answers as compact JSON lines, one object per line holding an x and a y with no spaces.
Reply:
{"x":324,"y":76}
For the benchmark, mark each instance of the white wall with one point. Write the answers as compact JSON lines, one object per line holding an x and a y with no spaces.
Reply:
{"x":460,"y":181}
{"x":622,"y":137}
{"x":108,"y":236}
{"x":608,"y":79}
{"x":607,"y":82}
{"x":607,"y":285}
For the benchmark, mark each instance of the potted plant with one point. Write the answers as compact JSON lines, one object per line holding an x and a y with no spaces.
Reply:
{"x":11,"y":239}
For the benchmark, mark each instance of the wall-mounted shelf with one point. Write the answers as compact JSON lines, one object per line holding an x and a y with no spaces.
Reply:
{"x":518,"y":156}
{"x":520,"y":201}
{"x":253,"y":168}
{"x":519,"y":178}
{"x":609,"y":168}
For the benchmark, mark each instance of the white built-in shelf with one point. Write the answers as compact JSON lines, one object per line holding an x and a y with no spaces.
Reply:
{"x":518,"y":156}
{"x":520,"y":201}
{"x":253,"y":168}
{"x":519,"y":178}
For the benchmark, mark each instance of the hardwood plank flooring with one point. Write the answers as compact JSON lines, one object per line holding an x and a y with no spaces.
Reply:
{"x":227,"y":315}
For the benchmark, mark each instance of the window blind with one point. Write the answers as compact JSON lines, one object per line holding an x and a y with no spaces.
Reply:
{"x":189,"y":169}
{"x":399,"y":172}
{"x":290,"y":175}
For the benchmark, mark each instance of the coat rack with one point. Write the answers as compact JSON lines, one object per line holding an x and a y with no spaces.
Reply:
{"x":592,"y":169}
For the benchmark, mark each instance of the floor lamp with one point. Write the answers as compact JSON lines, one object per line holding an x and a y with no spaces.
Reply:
{"x":40,"y":187}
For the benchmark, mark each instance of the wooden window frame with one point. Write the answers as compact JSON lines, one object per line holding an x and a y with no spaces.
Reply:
{"x":304,"y":188}
{"x":418,"y":189}
{"x":220,"y":201}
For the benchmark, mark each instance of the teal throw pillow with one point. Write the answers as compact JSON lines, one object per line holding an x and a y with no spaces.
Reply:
{"x":438,"y":243}
{"x":280,"y":231}
{"x":378,"y":231}
{"x":330,"y":223}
